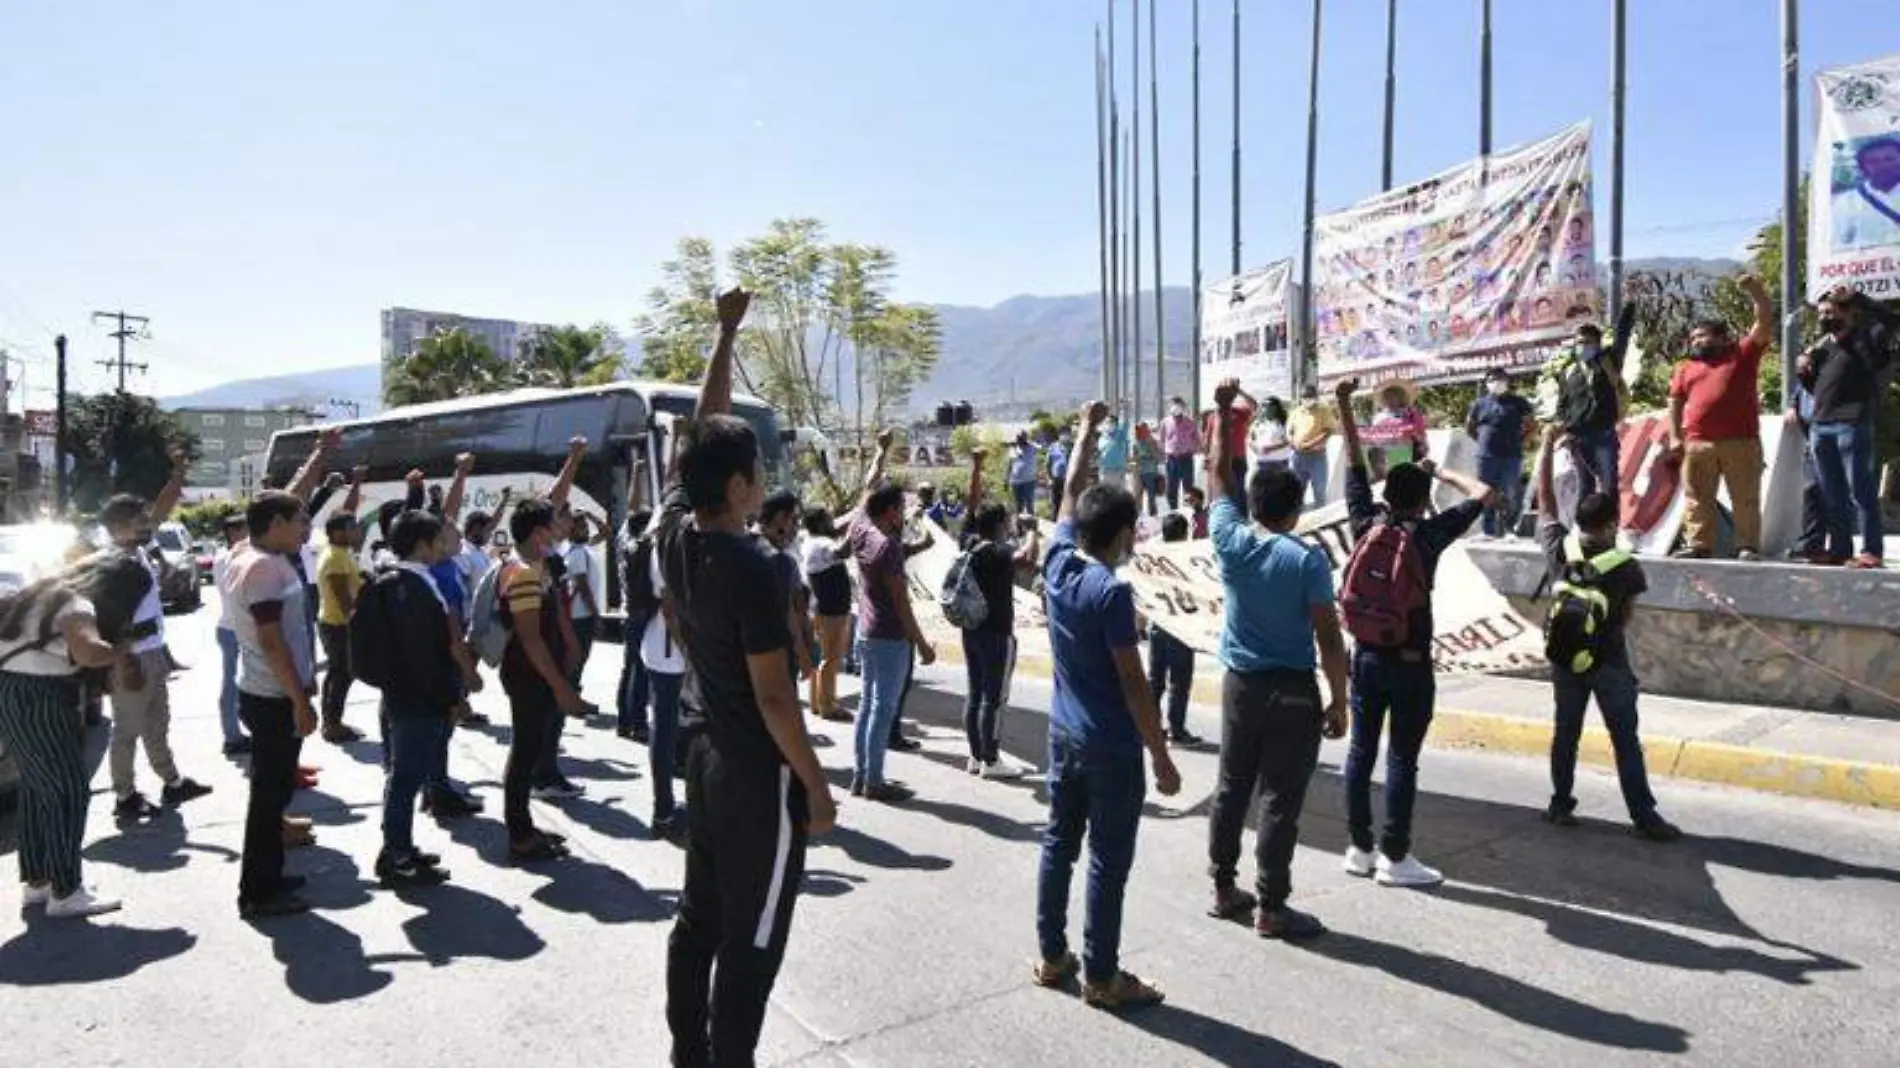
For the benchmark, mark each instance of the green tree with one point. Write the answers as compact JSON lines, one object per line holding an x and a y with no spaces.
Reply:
{"x":449,"y":364}
{"x":563,"y":357}
{"x":205,"y":520}
{"x":119,"y":443}
{"x":677,"y":330}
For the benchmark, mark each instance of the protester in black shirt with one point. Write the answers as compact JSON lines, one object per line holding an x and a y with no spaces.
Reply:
{"x":1397,"y":679}
{"x":989,"y":649}
{"x":1845,"y":373}
{"x":1611,"y":681}
{"x":755,"y":790}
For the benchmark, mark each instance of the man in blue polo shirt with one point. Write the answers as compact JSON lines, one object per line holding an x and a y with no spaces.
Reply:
{"x":1278,"y":590}
{"x":1102,"y":718}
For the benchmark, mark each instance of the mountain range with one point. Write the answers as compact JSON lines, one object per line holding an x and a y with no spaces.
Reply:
{"x":1027,"y":351}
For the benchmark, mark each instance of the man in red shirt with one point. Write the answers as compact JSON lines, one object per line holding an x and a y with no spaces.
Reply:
{"x":1239,"y":426}
{"x":1715,"y":426}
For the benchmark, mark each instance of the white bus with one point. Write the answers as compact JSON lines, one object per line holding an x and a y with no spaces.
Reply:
{"x":520,"y":440}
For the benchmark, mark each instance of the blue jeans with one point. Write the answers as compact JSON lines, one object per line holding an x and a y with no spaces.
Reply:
{"x":416,"y":741}
{"x":1614,"y":687}
{"x":1595,"y":456}
{"x":1844,"y":453}
{"x":1100,"y":794}
{"x":1180,"y":477}
{"x":634,"y":683}
{"x":1152,"y":486}
{"x":1505,"y":476}
{"x":1170,"y":660}
{"x":1311,"y":467}
{"x":1025,"y":497}
{"x":227,"y":687}
{"x":1386,"y":682}
{"x":885,"y":662}
{"x":660,"y":747}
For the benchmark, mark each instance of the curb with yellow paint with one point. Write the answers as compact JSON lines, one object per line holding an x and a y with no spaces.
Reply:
{"x":1794,"y":774}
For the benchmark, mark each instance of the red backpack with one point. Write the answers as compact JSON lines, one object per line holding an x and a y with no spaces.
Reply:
{"x":1384,"y":584}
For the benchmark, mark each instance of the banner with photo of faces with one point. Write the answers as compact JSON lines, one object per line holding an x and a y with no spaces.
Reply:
{"x":1245,"y":332}
{"x":1854,"y":191}
{"x":1485,"y":265}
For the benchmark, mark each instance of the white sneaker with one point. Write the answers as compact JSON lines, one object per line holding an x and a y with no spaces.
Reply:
{"x":35,"y":895}
{"x":80,"y":903}
{"x":996,"y":769}
{"x":1358,"y":861}
{"x":1407,"y":872}
{"x":973,"y":766}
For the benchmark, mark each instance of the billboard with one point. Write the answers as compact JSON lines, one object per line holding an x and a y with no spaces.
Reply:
{"x":1484,"y":265}
{"x":1245,"y":333}
{"x":1854,"y":193}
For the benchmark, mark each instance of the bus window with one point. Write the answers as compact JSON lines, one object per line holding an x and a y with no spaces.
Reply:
{"x":561,"y":421}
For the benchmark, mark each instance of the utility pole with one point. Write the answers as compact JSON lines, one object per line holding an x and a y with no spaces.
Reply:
{"x":1134,"y":353}
{"x":1391,"y":87}
{"x":124,"y":333}
{"x":1236,"y":180}
{"x":1154,"y":159}
{"x":1790,"y":194}
{"x":1619,"y":39}
{"x":1484,"y":81}
{"x":59,"y":426}
{"x":1305,"y":344}
{"x":1194,"y":354}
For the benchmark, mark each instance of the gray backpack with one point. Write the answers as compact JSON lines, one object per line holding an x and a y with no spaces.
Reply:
{"x":962,"y":597}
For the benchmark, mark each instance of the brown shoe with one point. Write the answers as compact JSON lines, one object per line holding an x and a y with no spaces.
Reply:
{"x":1231,"y":903}
{"x":1289,"y":924}
{"x":1054,"y":973}
{"x":1123,"y":992}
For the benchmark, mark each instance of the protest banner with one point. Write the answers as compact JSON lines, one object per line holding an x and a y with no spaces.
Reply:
{"x":1245,"y":333}
{"x":1854,"y":191}
{"x":1484,"y":265}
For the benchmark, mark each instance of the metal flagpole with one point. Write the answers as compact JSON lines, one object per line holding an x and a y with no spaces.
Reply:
{"x":1306,"y":242}
{"x":1391,"y":87}
{"x":1619,"y":39}
{"x":1154,"y":160}
{"x":1112,"y":375}
{"x":1134,"y":354}
{"x":1484,"y":81}
{"x":1101,"y":209}
{"x":1790,"y":194}
{"x":1194,"y":357}
{"x":1131,"y":296}
{"x":1236,"y":238}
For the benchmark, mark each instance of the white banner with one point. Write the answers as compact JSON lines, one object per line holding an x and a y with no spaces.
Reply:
{"x":1245,"y":333}
{"x":1481,"y":266}
{"x":1854,"y":190}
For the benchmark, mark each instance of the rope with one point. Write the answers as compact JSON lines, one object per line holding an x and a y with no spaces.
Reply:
{"x":1728,"y":606}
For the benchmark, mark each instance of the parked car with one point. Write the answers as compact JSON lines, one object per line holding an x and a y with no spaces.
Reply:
{"x":180,"y":582}
{"x":205,"y":556}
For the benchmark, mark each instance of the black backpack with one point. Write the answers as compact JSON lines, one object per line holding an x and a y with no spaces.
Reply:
{"x":374,"y":653}
{"x":638,"y":598}
{"x":1576,"y":629}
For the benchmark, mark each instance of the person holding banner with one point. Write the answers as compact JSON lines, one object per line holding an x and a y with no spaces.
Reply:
{"x":1101,"y":720}
{"x":1310,"y":428}
{"x":1846,"y":372}
{"x":1278,"y":590}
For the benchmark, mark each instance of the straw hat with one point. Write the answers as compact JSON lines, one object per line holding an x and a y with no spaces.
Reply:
{"x":1403,"y":385}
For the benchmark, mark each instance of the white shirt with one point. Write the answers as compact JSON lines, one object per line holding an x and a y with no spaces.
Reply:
{"x":1858,"y":220}
{"x":1269,"y":442}
{"x":220,"y":567}
{"x":658,"y":651}
{"x":821,"y":554}
{"x":474,"y":562}
{"x":51,"y":660}
{"x":580,"y":572}
{"x":150,"y":610}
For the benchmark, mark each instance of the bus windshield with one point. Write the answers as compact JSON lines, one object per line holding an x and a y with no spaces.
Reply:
{"x":764,"y":424}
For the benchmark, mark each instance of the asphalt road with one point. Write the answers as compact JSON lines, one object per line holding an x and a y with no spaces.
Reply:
{"x":1766,"y":938}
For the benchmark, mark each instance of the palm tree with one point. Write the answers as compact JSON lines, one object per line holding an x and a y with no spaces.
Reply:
{"x":563,"y":357}
{"x":448,"y":364}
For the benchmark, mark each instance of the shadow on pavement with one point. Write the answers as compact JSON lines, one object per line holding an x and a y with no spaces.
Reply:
{"x":602,"y":893}
{"x":600,"y":769}
{"x":820,"y":882}
{"x":1218,"y":1040}
{"x":324,"y":961}
{"x":58,"y":952}
{"x":459,"y":922}
{"x":1508,"y":997}
{"x":876,"y":852}
{"x":328,"y":810}
{"x":603,"y":816}
{"x":158,"y":846}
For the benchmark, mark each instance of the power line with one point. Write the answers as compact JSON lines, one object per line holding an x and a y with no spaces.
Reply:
{"x":124,"y":333}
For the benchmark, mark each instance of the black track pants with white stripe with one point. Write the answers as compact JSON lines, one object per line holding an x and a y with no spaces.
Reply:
{"x":745,"y":859}
{"x":40,"y":724}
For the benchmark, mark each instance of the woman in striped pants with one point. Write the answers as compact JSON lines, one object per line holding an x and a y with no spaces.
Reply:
{"x":49,"y":631}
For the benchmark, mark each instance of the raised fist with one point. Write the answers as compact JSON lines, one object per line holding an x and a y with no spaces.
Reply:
{"x":732,"y":305}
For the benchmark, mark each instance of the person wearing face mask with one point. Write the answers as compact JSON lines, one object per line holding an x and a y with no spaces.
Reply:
{"x":1180,"y":441}
{"x":1310,"y":428}
{"x":1278,"y":590}
{"x":1114,"y":455}
{"x":1846,"y":373}
{"x":1101,"y":720}
{"x":1581,"y":392}
{"x":1499,"y":422}
{"x":1715,"y":426}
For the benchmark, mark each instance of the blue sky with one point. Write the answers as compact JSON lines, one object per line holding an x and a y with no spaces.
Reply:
{"x":262,"y":178}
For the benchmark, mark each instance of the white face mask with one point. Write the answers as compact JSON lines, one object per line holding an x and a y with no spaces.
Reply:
{"x":1177,"y":411}
{"x":1497,"y":388}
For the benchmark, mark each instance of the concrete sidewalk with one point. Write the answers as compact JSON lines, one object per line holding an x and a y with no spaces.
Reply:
{"x":1849,"y":759}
